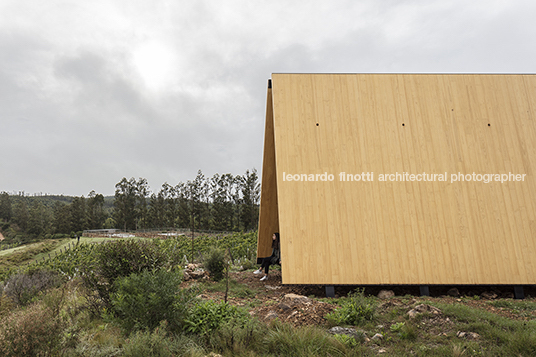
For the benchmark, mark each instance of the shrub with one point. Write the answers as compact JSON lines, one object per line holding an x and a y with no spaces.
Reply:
{"x":346,"y":340}
{"x":22,"y":288}
{"x":143,"y":300}
{"x":208,"y":316}
{"x":356,"y":309}
{"x":117,"y":259}
{"x":404,"y":331}
{"x":121,"y":258}
{"x":145,"y":343}
{"x":214,"y":263}
{"x":31,"y":332}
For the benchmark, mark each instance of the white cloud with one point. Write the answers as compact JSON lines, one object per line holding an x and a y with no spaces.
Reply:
{"x":94,"y":91}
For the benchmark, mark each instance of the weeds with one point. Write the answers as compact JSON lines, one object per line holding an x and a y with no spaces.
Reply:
{"x":284,"y":340}
{"x":31,"y":332}
{"x":208,"y":316}
{"x":355,"y":310}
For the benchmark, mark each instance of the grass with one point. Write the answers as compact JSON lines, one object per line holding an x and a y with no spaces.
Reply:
{"x":236,"y":289}
{"x":499,"y":334}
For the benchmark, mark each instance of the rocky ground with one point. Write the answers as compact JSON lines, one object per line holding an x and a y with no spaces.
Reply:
{"x":300,"y":305}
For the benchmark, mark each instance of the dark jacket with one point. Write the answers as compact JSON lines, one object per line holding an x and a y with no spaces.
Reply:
{"x":276,"y":255}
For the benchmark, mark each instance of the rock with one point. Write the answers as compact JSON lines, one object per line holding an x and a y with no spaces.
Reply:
{"x":468,"y":335}
{"x":338,"y":330}
{"x":453,"y":292}
{"x":488,"y":295}
{"x":198,"y":274}
{"x":386,"y":294}
{"x":377,"y":336}
{"x":270,"y":287}
{"x":294,"y":313}
{"x":419,"y":309}
{"x":297,"y":299}
{"x":271,"y":315}
{"x":284,"y":306}
{"x":382,"y":350}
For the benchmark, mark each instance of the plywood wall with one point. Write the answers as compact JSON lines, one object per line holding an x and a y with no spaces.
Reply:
{"x":268,"y":207}
{"x":402,"y":232}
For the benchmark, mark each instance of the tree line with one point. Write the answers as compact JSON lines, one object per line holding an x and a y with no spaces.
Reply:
{"x":221,"y":203}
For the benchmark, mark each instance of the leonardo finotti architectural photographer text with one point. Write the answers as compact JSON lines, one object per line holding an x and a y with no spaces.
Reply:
{"x":405,"y":177}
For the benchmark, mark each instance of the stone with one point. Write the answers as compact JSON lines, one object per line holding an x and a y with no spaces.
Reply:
{"x":468,"y":335}
{"x":197,"y":274}
{"x":338,"y":330}
{"x":488,"y":295}
{"x":377,"y":336}
{"x":419,"y":309}
{"x":284,"y":307}
{"x":453,"y":292}
{"x":297,"y":299}
{"x":271,"y":315}
{"x":386,"y":294}
{"x":270,"y":287}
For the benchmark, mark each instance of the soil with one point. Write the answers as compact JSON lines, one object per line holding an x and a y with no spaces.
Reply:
{"x":270,"y":302}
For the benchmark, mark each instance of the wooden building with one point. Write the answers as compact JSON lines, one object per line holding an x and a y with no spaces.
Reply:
{"x":401,"y":178}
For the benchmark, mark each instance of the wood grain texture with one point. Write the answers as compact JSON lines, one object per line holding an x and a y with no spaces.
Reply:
{"x":268,"y":219}
{"x":401,"y":232}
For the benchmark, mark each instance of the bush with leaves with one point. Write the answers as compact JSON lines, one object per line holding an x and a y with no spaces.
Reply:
{"x":214,"y":263}
{"x":117,"y":259}
{"x":23,"y":287}
{"x":142,"y":300}
{"x":206,"y":317}
{"x":355,"y":310}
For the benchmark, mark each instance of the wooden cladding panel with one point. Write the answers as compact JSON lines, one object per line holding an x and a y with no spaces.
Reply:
{"x":268,"y":219}
{"x":402,"y":232}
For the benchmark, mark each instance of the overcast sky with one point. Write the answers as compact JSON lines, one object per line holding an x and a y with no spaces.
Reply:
{"x":94,"y":91}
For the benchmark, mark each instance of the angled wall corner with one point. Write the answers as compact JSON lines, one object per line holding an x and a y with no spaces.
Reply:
{"x":268,"y":215}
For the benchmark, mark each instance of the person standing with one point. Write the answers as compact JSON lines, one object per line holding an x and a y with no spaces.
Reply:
{"x":275,"y":258}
